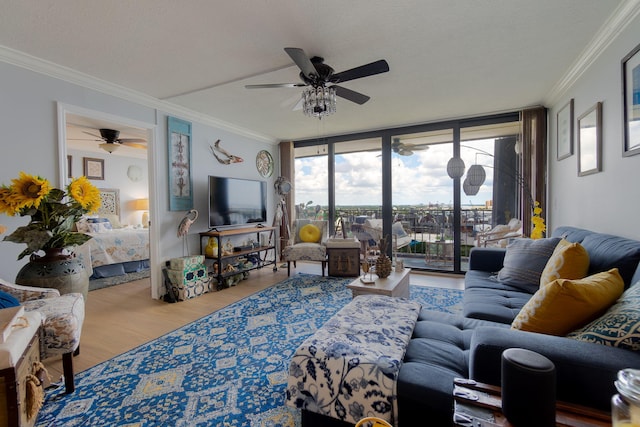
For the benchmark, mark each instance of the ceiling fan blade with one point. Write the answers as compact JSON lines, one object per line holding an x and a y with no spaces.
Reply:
{"x":266,"y":86}
{"x":132,"y":140}
{"x":371,"y":69}
{"x":135,"y":145}
{"x":89,"y":133}
{"x":351,"y":95}
{"x":302,"y":61}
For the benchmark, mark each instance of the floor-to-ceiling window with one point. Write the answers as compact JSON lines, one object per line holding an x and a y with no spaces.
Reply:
{"x":400,"y":176}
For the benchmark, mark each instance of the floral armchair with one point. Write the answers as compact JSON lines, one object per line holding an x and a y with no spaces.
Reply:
{"x":62,"y":318}
{"x":302,"y":248}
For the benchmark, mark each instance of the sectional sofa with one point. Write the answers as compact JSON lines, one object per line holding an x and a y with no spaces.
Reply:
{"x":445,"y":346}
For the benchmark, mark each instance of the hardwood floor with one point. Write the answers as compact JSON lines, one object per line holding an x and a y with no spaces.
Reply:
{"x":122,"y":317}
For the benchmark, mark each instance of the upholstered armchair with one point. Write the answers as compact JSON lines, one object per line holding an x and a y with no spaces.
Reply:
{"x":307,"y":243}
{"x":62,"y":318}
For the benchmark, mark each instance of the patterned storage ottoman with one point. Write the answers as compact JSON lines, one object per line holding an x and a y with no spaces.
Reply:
{"x":188,"y":277}
{"x":349,"y":368}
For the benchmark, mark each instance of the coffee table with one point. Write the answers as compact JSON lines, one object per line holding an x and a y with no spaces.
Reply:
{"x":396,"y":285}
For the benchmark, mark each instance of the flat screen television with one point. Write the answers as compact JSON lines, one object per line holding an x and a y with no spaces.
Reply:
{"x":236,"y":201}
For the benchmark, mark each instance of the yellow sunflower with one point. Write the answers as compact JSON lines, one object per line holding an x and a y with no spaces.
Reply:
{"x":7,"y":206}
{"x":29,"y":190}
{"x":85,"y":193}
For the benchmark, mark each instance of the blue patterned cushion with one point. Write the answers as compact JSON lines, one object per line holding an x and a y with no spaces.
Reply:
{"x":7,"y":300}
{"x":524,"y":262}
{"x":619,"y":326}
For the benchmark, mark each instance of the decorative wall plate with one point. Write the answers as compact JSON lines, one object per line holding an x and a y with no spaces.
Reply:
{"x":134,"y":173}
{"x":264,"y":163}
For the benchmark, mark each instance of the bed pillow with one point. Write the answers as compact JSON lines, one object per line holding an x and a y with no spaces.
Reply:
{"x":564,"y":305}
{"x":7,"y":300}
{"x":524,"y":262}
{"x":619,"y":326}
{"x":99,"y":225}
{"x":82,"y":226}
{"x":113,"y":219}
{"x":568,"y":261}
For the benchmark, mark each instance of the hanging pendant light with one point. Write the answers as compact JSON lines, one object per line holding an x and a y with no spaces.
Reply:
{"x":476,"y":175}
{"x":468,"y":188}
{"x":319,"y":101}
{"x":455,"y":167}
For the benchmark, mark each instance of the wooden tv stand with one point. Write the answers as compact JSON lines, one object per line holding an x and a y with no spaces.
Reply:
{"x":227,"y":264}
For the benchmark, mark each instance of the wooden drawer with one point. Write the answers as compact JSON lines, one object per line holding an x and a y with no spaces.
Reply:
{"x":344,"y":262}
{"x":13,"y":388}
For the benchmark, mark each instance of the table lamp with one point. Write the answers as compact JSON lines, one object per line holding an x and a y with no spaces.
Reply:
{"x":143,"y":205}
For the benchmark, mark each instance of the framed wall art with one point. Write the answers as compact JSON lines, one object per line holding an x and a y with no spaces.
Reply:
{"x":69,"y":166}
{"x":93,"y":168}
{"x":110,"y":202}
{"x":631,"y":102}
{"x":180,"y":184}
{"x":564,"y":131}
{"x":590,"y":141}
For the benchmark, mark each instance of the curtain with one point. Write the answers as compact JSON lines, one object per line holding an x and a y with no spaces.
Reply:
{"x":534,"y":163}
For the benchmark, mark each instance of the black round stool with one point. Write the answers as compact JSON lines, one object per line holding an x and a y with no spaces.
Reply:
{"x":528,"y":388}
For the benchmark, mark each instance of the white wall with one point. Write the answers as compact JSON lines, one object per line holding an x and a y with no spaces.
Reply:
{"x":28,"y":119}
{"x":607,"y":201}
{"x":204,"y":164}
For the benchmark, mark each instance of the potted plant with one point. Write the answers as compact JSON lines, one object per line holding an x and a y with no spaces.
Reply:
{"x":50,"y":234}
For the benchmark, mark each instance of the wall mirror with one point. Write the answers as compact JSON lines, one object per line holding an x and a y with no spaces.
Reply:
{"x":590,"y":141}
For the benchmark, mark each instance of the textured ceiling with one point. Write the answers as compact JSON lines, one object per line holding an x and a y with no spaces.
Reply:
{"x":447,"y":58}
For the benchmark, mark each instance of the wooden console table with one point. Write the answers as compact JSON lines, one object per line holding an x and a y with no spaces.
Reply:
{"x":478,"y":404}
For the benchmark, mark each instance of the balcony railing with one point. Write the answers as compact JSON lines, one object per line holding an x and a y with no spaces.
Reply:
{"x":430,"y":229}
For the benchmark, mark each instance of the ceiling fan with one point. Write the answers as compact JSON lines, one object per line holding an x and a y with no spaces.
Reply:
{"x":318,"y":75}
{"x":405,"y":149}
{"x":112,"y":138}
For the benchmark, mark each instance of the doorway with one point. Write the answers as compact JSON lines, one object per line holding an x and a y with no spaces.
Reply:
{"x":126,"y":175}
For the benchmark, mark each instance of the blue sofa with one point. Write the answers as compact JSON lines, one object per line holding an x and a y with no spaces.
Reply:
{"x":470,"y":346}
{"x":445,"y":346}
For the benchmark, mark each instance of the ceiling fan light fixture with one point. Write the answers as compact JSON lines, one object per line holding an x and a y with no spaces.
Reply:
{"x":319,"y":101}
{"x":109,"y":147}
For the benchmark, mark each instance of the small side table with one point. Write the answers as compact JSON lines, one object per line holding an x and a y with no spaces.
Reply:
{"x":18,"y":354}
{"x":478,"y":404}
{"x":344,"y":257}
{"x":396,"y":285}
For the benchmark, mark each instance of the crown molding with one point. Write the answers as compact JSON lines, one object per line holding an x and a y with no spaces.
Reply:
{"x":626,"y":12}
{"x":23,"y":60}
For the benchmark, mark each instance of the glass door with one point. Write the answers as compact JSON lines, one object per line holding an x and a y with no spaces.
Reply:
{"x":396,"y":183}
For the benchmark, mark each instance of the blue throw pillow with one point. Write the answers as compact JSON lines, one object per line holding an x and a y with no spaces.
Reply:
{"x":8,"y":300}
{"x":619,"y":326}
{"x":524,"y":262}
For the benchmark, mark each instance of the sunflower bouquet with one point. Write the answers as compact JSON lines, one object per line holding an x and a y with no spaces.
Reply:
{"x":539,"y":227}
{"x":53,"y":211}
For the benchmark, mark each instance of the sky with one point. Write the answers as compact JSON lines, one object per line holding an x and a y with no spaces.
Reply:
{"x":418,"y":179}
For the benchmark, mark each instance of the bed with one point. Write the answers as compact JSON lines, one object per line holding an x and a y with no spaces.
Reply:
{"x":114,"y":250}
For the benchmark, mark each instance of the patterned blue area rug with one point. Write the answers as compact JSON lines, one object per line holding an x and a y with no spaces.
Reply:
{"x":226,"y":369}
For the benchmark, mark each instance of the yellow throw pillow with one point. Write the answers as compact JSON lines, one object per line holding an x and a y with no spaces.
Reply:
{"x":568,"y":261}
{"x":564,"y":305}
{"x":309,"y":233}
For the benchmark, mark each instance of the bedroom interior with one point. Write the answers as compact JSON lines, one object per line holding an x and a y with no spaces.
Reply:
{"x":449,"y":63}
{"x":118,"y":252}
